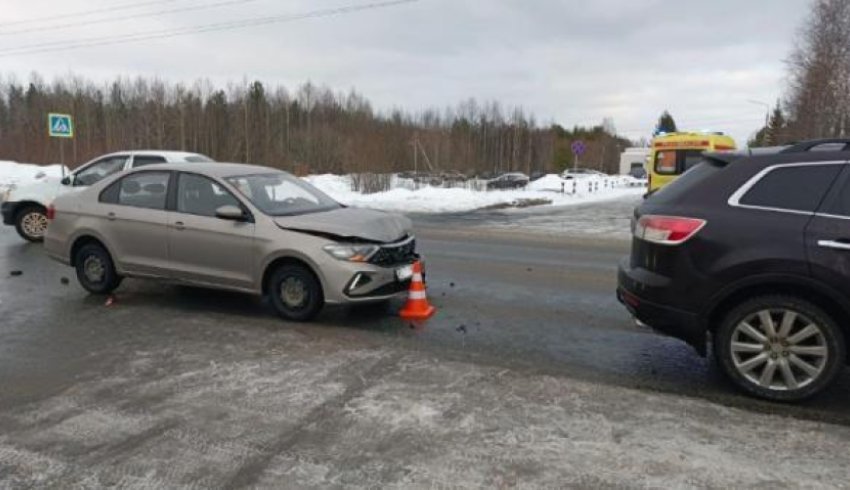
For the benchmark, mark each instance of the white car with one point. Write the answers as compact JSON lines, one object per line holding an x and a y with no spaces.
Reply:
{"x":25,"y":207}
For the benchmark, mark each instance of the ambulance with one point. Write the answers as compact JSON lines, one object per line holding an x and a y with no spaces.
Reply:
{"x":672,"y":154}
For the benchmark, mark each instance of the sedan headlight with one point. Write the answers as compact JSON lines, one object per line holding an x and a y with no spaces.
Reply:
{"x":351,"y":253}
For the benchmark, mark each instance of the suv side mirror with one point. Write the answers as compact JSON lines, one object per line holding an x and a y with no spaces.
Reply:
{"x":66,"y":180}
{"x":230,"y":213}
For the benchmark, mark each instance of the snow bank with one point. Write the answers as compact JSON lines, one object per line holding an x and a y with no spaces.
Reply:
{"x":546,"y":190}
{"x":14,"y":174}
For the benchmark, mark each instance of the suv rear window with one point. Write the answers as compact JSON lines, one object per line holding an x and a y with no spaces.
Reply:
{"x":798,"y":188}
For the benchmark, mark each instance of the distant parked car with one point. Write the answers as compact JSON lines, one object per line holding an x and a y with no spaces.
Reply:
{"x":238,"y":227}
{"x":25,"y":207}
{"x":509,"y":181}
{"x":453,"y":177}
{"x":581,"y":173}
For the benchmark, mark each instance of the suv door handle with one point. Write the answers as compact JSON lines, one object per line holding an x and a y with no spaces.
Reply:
{"x":110,"y":216}
{"x":837,"y":245}
{"x":179,"y":225}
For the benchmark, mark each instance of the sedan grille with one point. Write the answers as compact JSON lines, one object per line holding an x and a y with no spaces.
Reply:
{"x":398,"y":253}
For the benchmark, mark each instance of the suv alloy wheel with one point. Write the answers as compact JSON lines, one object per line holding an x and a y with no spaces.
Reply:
{"x":780,"y":348}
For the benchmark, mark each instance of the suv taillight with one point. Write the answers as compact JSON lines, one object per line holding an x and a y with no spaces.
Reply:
{"x":667,"y":230}
{"x":51,"y":213}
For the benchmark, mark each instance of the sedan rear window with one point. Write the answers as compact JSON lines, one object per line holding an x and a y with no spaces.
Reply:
{"x":144,"y":190}
{"x":198,"y":159}
{"x":144,"y":160}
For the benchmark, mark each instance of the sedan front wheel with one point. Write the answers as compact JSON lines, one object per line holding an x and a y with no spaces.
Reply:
{"x":296,"y":293}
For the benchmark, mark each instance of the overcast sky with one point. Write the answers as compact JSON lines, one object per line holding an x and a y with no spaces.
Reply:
{"x":567,"y":61}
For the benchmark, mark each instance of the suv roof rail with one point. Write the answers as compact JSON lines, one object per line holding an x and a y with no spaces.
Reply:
{"x":805,"y":146}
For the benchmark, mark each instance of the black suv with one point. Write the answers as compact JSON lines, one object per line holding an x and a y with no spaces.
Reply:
{"x":753,"y":252}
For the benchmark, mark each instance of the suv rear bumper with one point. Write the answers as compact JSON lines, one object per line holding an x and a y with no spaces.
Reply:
{"x":635,"y":292}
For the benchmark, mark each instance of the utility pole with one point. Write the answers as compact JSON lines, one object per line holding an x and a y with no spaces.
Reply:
{"x":766,"y":113}
{"x":415,"y":145}
{"x":425,"y":154}
{"x":247,"y":140}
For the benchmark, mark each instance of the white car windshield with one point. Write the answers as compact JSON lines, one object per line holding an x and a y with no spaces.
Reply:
{"x":280,"y":194}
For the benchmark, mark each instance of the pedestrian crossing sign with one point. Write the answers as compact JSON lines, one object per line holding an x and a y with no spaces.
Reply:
{"x":60,"y":125}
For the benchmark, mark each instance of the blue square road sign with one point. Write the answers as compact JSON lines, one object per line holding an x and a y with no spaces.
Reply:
{"x":60,"y":125}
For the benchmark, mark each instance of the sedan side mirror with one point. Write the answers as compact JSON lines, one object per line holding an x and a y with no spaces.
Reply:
{"x":66,"y":180}
{"x":230,"y":213}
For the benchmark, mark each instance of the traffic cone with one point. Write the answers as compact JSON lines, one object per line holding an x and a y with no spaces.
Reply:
{"x":417,"y":307}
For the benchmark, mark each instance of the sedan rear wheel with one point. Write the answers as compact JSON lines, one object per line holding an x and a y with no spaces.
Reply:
{"x":95,"y":269}
{"x":31,"y":223}
{"x":780,"y":348}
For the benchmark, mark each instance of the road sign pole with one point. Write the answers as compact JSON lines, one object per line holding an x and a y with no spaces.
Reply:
{"x":578,"y":148}
{"x":60,"y":126}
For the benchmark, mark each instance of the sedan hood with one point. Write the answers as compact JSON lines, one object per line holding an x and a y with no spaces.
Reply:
{"x":350,"y":224}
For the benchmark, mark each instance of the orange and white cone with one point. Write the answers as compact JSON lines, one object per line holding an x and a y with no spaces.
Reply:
{"x":417,"y":307}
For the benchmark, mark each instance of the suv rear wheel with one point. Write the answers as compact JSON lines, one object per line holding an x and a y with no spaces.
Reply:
{"x":780,"y":348}
{"x":31,"y":222}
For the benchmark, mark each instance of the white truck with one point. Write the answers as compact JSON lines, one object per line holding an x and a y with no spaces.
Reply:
{"x":633,"y":162}
{"x":25,"y":207}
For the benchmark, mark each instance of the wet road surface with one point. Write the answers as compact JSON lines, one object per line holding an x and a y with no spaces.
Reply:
{"x":540,"y":302}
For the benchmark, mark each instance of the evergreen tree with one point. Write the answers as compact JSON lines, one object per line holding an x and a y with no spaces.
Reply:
{"x":774,"y":133}
{"x":775,"y":127}
{"x":666,"y":124}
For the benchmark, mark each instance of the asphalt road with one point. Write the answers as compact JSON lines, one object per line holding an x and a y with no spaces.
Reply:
{"x":538,"y":301}
{"x":540,"y":304}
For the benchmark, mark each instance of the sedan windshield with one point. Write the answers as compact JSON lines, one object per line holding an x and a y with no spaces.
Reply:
{"x":280,"y":194}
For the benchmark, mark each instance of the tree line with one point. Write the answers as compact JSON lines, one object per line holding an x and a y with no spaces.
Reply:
{"x":311,"y":129}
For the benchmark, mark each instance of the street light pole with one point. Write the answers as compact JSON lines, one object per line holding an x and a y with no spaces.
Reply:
{"x":766,"y":110}
{"x":766,"y":116}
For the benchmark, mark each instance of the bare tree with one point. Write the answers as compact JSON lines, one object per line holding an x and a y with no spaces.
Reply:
{"x":818,"y":97}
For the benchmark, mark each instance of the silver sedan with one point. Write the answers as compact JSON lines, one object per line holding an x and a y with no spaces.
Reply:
{"x":232,"y":226}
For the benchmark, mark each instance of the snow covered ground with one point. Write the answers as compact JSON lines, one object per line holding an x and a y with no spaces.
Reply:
{"x":546,"y":191}
{"x":14,"y":174}
{"x":406,"y":196}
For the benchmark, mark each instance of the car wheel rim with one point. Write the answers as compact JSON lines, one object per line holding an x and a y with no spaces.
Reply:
{"x":293,"y":293}
{"x":34,"y":224}
{"x":779,"y":349}
{"x":94,"y":269}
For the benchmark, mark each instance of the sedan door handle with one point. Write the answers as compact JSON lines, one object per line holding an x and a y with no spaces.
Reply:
{"x":833,"y":244}
{"x":179,"y":225}
{"x":110,"y":216}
